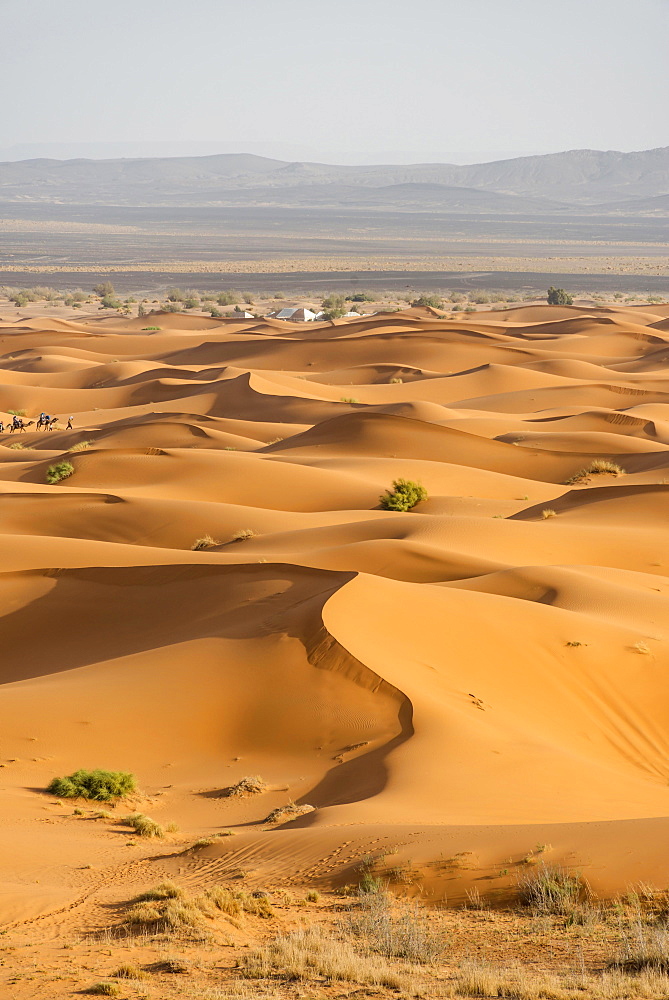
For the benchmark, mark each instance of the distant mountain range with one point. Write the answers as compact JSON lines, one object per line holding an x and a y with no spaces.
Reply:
{"x":585,"y":180}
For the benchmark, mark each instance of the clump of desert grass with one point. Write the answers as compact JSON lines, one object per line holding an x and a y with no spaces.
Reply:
{"x":59,"y":471}
{"x":599,"y":467}
{"x":250,"y":785}
{"x":104,"y":990}
{"x":206,"y":542}
{"x":164,"y":890}
{"x":101,"y":786}
{"x":212,"y":838}
{"x":283,"y":814}
{"x":129,"y":971}
{"x":243,"y":535}
{"x":553,"y":891}
{"x":143,"y":825}
{"x":167,"y":909}
{"x":80,"y":446}
{"x":548,"y":512}
{"x":304,"y":954}
{"x":395,"y":929}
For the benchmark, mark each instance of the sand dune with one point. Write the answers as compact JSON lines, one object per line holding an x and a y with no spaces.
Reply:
{"x":476,"y":675}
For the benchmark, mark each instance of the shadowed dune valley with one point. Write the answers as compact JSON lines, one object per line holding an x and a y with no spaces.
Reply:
{"x":368,"y":599}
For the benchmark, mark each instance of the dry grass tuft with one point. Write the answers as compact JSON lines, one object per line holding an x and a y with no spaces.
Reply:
{"x":129,"y":972}
{"x":553,"y":890}
{"x":395,"y":929}
{"x":548,"y":512}
{"x":233,"y":903}
{"x":165,"y":890}
{"x":250,"y":785}
{"x":599,"y":467}
{"x":206,"y":542}
{"x":283,"y":814}
{"x":81,"y":446}
{"x":143,"y":825}
{"x":243,"y":534}
{"x":304,"y":954}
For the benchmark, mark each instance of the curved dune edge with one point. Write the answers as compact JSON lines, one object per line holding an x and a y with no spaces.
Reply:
{"x":472,"y":678}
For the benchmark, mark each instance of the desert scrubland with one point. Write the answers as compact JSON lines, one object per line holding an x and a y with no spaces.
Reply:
{"x":369,"y":717}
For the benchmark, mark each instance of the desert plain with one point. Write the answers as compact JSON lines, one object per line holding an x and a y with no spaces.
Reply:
{"x":435,"y":704}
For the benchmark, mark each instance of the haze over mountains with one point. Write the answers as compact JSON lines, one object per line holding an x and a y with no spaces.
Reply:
{"x":590,"y":181}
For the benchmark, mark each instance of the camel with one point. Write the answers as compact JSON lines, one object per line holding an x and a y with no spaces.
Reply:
{"x":20,"y":426}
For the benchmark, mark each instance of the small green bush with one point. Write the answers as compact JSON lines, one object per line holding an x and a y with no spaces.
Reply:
{"x":152,"y":329}
{"x":404,"y":495}
{"x":334,"y":306}
{"x":104,"y":288}
{"x":433,"y":301}
{"x":102,"y":786}
{"x":56,"y":473}
{"x":110,"y":302}
{"x":175,"y":295}
{"x":228,"y":298}
{"x":17,"y":413}
{"x":558,"y":297}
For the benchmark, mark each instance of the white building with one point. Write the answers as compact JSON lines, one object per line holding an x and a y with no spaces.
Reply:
{"x":295,"y":314}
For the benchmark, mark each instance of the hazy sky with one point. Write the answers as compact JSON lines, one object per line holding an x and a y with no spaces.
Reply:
{"x":354,"y":79}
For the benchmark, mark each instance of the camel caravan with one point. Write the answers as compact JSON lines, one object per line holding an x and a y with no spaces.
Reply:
{"x":45,"y":422}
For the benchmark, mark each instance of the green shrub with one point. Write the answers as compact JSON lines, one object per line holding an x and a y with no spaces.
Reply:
{"x":109,"y":302}
{"x":558,"y":297}
{"x":404,"y":495}
{"x":17,"y":413}
{"x":104,"y":288}
{"x":191,"y":303}
{"x":433,"y":301}
{"x":215,"y":312}
{"x":334,"y":306}
{"x":151,"y":329}
{"x":361,"y":297}
{"x":228,"y":298}
{"x":175,"y":295}
{"x":56,"y":473}
{"x":102,"y":786}
{"x":172,"y":307}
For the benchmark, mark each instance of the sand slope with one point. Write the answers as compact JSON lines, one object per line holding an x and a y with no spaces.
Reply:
{"x":484,"y":672}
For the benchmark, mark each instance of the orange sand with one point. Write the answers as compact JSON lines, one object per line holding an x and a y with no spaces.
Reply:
{"x":465,"y":680}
